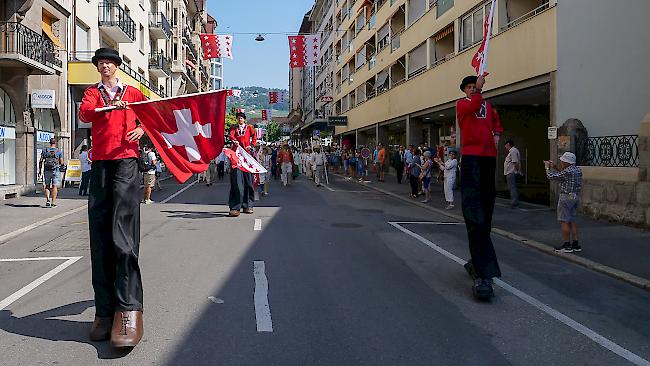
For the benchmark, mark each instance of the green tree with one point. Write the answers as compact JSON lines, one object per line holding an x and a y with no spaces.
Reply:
{"x":274,"y":131}
{"x":230,"y":121}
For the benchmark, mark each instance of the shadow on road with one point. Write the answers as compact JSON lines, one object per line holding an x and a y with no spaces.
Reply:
{"x":195,"y":214}
{"x":41,"y":325}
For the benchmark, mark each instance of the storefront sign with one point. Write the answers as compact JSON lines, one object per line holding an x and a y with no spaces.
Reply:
{"x":8,"y":133}
{"x":326,"y":99}
{"x":43,"y":98}
{"x":42,"y":136}
{"x":337,"y":121}
{"x":73,"y":173}
{"x":552,"y":133}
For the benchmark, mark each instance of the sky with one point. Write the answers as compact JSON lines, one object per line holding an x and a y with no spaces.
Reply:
{"x":264,"y":64}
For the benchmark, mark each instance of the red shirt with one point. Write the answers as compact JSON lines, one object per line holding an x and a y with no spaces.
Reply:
{"x":478,"y":122}
{"x":110,"y":128}
{"x":247,"y":138}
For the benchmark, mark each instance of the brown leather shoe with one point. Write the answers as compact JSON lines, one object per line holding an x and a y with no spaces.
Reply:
{"x":101,"y":329}
{"x":248,"y":210}
{"x":127,"y":329}
{"x":233,"y":213}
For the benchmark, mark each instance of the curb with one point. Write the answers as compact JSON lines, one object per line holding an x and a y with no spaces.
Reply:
{"x":544,"y":248}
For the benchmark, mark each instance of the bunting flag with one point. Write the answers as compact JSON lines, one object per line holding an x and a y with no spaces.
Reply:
{"x":304,"y":50}
{"x":479,"y":62}
{"x":260,"y":133}
{"x":215,"y":46}
{"x":187,"y":131}
{"x":266,"y":115}
{"x":234,"y":93}
{"x":276,"y":97}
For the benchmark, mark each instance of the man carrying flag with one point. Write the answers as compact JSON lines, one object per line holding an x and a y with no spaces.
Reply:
{"x":242,"y":192}
{"x":113,"y":205}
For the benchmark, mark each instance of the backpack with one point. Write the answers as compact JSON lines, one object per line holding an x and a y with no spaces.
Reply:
{"x":51,"y":159}
{"x":143,"y":162}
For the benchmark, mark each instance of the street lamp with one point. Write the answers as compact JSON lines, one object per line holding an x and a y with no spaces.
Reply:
{"x":259,"y":38}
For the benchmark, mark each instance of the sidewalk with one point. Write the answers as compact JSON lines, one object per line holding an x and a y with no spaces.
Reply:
{"x":616,"y":250}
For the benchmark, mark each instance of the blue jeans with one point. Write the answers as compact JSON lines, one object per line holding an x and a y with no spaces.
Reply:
{"x":512,"y":185}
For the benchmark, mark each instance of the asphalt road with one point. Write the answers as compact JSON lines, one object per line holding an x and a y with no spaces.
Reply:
{"x":353,"y":277}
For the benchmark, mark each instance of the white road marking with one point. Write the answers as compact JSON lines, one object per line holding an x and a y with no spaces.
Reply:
{"x":39,"y":281}
{"x":261,"y":297}
{"x":215,"y":300}
{"x":179,"y":192}
{"x":258,"y":225}
{"x":599,"y":339}
{"x":25,"y":229}
{"x":329,"y":188}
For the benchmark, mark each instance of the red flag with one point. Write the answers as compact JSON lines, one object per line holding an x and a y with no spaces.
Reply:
{"x":243,"y":161}
{"x":304,"y":50}
{"x":187,"y":131}
{"x":276,"y":97}
{"x":215,"y":46}
{"x":479,"y":61}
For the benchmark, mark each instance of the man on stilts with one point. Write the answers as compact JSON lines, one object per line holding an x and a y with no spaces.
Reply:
{"x":242,"y":192}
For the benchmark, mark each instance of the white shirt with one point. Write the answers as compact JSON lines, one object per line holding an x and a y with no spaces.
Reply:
{"x":85,"y":162}
{"x":151,"y":157}
{"x":317,"y":159}
{"x":450,"y":168}
{"x":112,"y":91}
{"x":509,"y":165}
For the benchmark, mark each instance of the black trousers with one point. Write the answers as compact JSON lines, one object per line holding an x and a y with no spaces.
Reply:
{"x":220,"y":169}
{"x":399,"y":168}
{"x":477,"y":187}
{"x":114,"y":220}
{"x":415,"y":188}
{"x":85,"y":180}
{"x":242,"y":193}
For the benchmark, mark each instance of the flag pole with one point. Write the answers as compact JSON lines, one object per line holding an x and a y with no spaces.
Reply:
{"x":110,"y":108}
{"x":487,"y":39}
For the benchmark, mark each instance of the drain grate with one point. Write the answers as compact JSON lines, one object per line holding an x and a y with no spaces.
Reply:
{"x":70,"y":241}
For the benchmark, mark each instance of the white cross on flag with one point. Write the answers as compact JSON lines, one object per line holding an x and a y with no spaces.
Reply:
{"x":187,"y":131}
{"x":479,"y":61}
{"x":304,"y":50}
{"x":242,"y":160}
{"x":215,"y":46}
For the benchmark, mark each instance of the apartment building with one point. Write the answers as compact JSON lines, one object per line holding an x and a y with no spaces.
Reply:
{"x":399,"y":63}
{"x":33,"y":67}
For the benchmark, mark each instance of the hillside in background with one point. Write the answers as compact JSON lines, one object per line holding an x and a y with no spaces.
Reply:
{"x":254,"y":104}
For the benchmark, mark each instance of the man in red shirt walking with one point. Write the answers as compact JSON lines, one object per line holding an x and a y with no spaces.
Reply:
{"x":480,"y":131}
{"x":113,"y":206}
{"x":242,"y":192}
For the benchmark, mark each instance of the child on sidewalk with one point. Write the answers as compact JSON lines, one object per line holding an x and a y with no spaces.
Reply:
{"x":569,"y":177}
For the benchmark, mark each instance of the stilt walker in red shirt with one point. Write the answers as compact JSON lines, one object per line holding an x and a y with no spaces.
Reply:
{"x":113,"y":205}
{"x":242,"y":192}
{"x":480,"y":131}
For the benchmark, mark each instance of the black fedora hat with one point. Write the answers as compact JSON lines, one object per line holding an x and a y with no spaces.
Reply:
{"x":107,"y":54}
{"x":468,"y":80}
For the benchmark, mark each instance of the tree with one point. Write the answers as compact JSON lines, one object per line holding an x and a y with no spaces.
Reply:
{"x":274,"y":131}
{"x":230,"y":121}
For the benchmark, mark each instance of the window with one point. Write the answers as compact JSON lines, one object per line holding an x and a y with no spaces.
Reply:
{"x":382,"y":36}
{"x":360,"y":23}
{"x":175,"y":17}
{"x":82,"y":37}
{"x":472,"y":27}
{"x":127,"y":60}
{"x":418,"y":59}
{"x":416,"y":9}
{"x":142,"y":40}
{"x":443,"y":7}
{"x":175,"y":51}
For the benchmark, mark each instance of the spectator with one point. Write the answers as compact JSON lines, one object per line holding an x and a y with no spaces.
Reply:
{"x":511,"y":169}
{"x":149,"y":175}
{"x":414,"y":175}
{"x":398,"y":163}
{"x":450,"y":168}
{"x":381,"y":161}
{"x":50,"y":164}
{"x":425,"y":176}
{"x":158,"y":187}
{"x":569,"y":177}
{"x":85,"y":170}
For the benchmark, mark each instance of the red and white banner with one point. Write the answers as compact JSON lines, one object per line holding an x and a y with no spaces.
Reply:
{"x":242,"y":160}
{"x":234,"y":93}
{"x":267,"y":115}
{"x":479,"y":62}
{"x":304,"y":50}
{"x":215,"y":46}
{"x":260,"y":133}
{"x":277,"y":97}
{"x":187,"y":131}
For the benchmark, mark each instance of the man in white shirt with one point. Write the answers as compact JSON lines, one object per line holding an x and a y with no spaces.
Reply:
{"x":318,"y":164}
{"x":85,"y":171}
{"x":512,"y":168}
{"x":149,"y":175}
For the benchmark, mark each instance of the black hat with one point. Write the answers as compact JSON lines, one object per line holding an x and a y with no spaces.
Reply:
{"x":240,"y":114}
{"x":468,"y":80}
{"x":107,"y":54}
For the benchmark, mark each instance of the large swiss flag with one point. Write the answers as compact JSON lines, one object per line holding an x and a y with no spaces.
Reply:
{"x":187,"y":131}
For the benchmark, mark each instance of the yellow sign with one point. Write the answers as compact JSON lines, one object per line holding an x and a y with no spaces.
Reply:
{"x":73,"y":173}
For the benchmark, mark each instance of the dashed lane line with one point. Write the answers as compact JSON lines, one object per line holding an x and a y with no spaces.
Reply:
{"x":261,"y":298}
{"x":566,"y":320}
{"x":258,"y":225}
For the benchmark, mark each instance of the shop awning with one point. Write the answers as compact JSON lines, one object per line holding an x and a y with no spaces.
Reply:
{"x":444,"y":33}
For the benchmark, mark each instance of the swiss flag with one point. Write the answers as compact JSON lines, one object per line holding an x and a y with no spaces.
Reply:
{"x":242,"y":160}
{"x":304,"y":50}
{"x":479,"y":61}
{"x":215,"y":46}
{"x":187,"y":131}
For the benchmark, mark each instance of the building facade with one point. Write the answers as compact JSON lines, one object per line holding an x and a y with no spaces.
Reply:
{"x":399,"y":64}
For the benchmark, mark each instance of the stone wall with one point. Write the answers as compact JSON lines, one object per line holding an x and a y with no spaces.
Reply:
{"x":621,"y":194}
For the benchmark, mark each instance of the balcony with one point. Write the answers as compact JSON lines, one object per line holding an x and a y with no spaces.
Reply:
{"x":20,"y":46}
{"x":116,"y":23}
{"x":395,"y":41}
{"x":159,"y":27}
{"x":159,"y":65}
{"x":193,"y":85}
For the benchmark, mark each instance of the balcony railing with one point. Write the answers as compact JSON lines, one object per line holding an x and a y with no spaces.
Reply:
{"x":159,"y":21}
{"x":530,"y":14}
{"x":113,"y":15}
{"x":158,"y":61}
{"x":610,"y":151}
{"x":16,"y":38}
